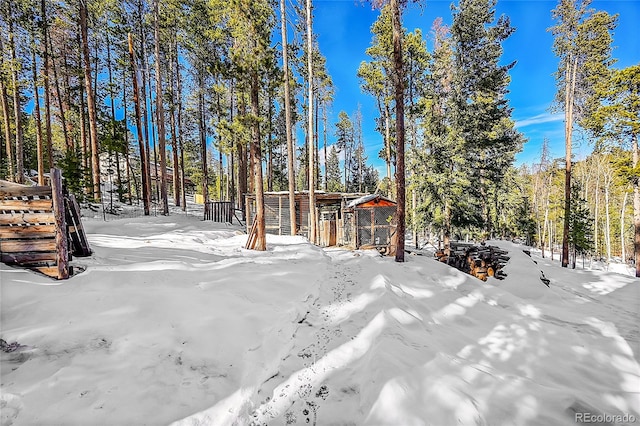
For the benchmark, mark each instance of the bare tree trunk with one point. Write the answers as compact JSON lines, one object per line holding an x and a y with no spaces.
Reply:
{"x":7,"y":123}
{"x":310,"y":138}
{"x":145,"y":107}
{"x":181,"y":147}
{"x":242,"y":164}
{"x":67,"y":90}
{"x":146,"y":195}
{"x":399,"y":98}
{"x":91,"y":103}
{"x":622,"y":211}
{"x":45,"y":75}
{"x":113,"y":119}
{"x":83,"y":130}
{"x":324,"y":141}
{"x":36,"y":113}
{"x":570,"y":83}
{"x":387,"y":139}
{"x":174,"y":135}
{"x":126,"y":133}
{"x":160,"y":114}
{"x":636,"y":205}
{"x":597,"y":210}
{"x":62,"y":108}
{"x":203,"y":142}
{"x":259,"y":220}
{"x":607,"y":231}
{"x":288,"y":126}
{"x":17,"y":109}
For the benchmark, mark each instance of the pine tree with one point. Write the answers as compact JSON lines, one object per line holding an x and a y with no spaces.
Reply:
{"x":480,"y":87}
{"x":334,"y":180}
{"x":582,"y":44}
{"x":581,"y":224}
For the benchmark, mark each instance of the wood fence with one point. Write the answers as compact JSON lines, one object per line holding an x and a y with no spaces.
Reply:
{"x":219,"y":211}
{"x":40,"y":227}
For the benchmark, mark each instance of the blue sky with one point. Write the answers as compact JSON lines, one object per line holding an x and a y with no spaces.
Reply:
{"x":343,"y":31}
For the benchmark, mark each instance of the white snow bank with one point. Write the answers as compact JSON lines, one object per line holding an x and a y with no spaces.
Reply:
{"x":174,"y":321}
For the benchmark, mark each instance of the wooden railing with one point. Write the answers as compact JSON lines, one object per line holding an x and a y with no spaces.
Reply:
{"x":219,"y":211}
{"x":40,"y":227}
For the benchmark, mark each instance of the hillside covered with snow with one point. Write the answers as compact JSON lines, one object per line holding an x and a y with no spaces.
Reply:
{"x":173,"y":320}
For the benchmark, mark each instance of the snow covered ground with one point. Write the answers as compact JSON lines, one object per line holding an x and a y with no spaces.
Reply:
{"x":174,"y":321}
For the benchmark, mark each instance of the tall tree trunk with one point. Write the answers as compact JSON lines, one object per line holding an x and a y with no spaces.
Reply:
{"x":113,"y":121}
{"x":242,"y":161}
{"x":287,"y":115}
{"x":316,"y":145}
{"x":153,"y":122}
{"x":36,"y":113}
{"x":67,"y":92}
{"x":607,"y":230}
{"x":126,"y":132}
{"x":84,"y":145}
{"x":570,"y":82}
{"x":180,"y":128}
{"x":259,"y":220}
{"x":636,"y":205}
{"x":399,"y":98}
{"x":203,"y":142}
{"x":310,"y":138}
{"x":220,"y":166}
{"x":174,"y":135}
{"x":6,"y":118}
{"x":62,"y":108}
{"x":17,"y":108}
{"x":146,"y":194}
{"x":596,"y":213}
{"x":387,"y":137}
{"x":145,"y":97}
{"x":622,"y":211}
{"x":160,"y":113}
{"x":324,"y":144}
{"x":45,"y":75}
{"x":91,"y":103}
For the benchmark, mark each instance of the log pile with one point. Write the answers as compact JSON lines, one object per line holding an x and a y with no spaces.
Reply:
{"x":481,"y":261}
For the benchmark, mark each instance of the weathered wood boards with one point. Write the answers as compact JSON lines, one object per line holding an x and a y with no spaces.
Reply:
{"x":79,"y":241}
{"x":37,"y":225}
{"x":481,"y":261}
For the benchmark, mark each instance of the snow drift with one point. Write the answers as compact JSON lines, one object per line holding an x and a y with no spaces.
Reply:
{"x":173,"y":321}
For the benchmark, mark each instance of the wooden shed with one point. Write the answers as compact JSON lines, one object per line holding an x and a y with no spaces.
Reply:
{"x":344,"y":219}
{"x":368,"y":222}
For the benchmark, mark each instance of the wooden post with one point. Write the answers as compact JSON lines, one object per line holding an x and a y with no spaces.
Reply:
{"x":62,"y":252}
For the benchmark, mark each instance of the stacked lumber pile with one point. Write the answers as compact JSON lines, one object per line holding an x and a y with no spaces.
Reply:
{"x":40,"y":227}
{"x":481,"y":261}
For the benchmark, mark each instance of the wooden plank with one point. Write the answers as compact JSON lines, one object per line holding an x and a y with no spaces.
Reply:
{"x":26,"y":218}
{"x":10,"y":189}
{"x":28,"y":258}
{"x":61,"y":225}
{"x":23,"y":232}
{"x":50,"y":271}
{"x":28,"y":205}
{"x":76,"y":230}
{"x":14,"y":246}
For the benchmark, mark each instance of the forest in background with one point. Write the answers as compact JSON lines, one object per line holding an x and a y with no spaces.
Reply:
{"x":161,"y":98}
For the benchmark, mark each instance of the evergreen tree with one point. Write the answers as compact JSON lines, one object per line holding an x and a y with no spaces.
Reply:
{"x":334,"y":180}
{"x":482,"y":111}
{"x":581,"y":224}
{"x":345,"y":141}
{"x":582,"y":44}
